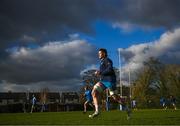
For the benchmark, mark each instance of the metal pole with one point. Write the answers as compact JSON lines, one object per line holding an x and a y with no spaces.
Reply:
{"x":107,"y":100}
{"x":120,"y":72}
{"x":130,"y":83}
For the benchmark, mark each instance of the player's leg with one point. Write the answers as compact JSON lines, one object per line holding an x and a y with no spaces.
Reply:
{"x":85,"y":106}
{"x":91,"y":104}
{"x":116,"y":98}
{"x":119,"y":100}
{"x":111,"y":89}
{"x":164,"y":106}
{"x":128,"y":110}
{"x":174,"y":105}
{"x":96,"y":94}
{"x":96,"y":98}
{"x":32,"y":107}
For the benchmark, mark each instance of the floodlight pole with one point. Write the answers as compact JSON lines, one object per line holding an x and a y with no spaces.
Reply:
{"x":130,"y":83}
{"x":120,"y":72}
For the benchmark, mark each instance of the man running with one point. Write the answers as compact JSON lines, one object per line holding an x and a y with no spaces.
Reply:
{"x":107,"y":81}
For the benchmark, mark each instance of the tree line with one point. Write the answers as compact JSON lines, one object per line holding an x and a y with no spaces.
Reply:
{"x":153,"y":81}
{"x":156,"y":80}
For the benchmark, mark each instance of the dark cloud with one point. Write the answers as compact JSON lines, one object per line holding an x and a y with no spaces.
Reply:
{"x":160,"y":13}
{"x":58,"y":63}
{"x":44,"y":19}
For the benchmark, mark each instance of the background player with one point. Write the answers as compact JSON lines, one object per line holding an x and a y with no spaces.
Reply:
{"x":88,"y":97}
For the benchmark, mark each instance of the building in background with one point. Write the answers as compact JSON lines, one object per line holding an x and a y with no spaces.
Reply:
{"x":55,"y":101}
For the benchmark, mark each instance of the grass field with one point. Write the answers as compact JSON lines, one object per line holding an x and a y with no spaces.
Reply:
{"x":115,"y":117}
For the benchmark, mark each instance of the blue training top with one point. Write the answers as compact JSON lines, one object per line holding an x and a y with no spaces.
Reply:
{"x":107,"y":72}
{"x":88,"y":95}
{"x":34,"y":100}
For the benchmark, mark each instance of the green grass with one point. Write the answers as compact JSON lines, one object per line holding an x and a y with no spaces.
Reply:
{"x":115,"y":117}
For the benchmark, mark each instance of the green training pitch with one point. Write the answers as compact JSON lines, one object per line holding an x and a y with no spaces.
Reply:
{"x":114,"y":117}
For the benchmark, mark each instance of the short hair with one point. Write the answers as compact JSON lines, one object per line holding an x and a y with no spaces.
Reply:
{"x":103,"y":50}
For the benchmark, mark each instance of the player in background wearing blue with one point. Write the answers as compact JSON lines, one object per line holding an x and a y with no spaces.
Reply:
{"x":88,"y":97}
{"x":134,"y":104}
{"x":163,"y":103}
{"x":33,"y":103}
{"x":173,"y":101}
{"x":107,"y":81}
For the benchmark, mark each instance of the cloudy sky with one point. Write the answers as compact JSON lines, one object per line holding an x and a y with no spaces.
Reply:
{"x":48,"y":43}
